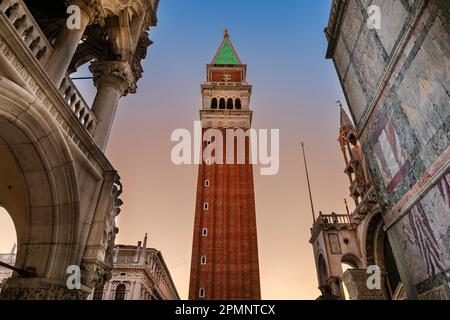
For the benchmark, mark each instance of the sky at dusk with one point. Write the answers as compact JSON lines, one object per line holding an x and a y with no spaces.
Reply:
{"x":295,"y":90}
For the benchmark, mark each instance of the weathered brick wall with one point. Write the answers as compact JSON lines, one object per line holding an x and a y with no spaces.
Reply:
{"x":397,"y":82}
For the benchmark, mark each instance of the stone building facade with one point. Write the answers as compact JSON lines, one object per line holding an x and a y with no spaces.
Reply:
{"x":139,"y":273}
{"x":55,"y":181}
{"x":225,"y":263}
{"x":347,"y":245}
{"x":395,"y":76}
{"x":10,"y":259}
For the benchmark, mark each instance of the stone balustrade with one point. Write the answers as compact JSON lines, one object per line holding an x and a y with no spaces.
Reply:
{"x":77,"y":104}
{"x":334,"y":219}
{"x":27,"y":28}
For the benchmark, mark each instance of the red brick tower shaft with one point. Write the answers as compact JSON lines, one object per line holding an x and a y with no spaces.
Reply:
{"x":225,"y":262}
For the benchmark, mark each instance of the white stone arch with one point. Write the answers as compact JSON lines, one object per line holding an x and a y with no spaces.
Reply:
{"x":45,"y":210}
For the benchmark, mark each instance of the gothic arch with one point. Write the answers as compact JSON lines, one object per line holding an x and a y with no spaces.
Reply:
{"x":372,"y":236}
{"x":378,"y":252}
{"x":41,"y":195}
{"x":322,"y":270}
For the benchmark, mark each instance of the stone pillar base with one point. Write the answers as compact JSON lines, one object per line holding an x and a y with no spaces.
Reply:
{"x":356,"y":282}
{"x":39,"y":289}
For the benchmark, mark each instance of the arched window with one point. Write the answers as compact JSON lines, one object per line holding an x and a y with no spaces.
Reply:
{"x":214,"y":103}
{"x":120,"y":292}
{"x":98,"y":293}
{"x":201,"y":293}
{"x":238,"y":104}
{"x":222,"y":103}
{"x":205,"y":232}
{"x":203,"y":260}
{"x":230,"y":104}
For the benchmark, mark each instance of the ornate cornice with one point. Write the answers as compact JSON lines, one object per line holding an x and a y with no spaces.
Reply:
{"x":115,"y":73}
{"x":226,"y":119}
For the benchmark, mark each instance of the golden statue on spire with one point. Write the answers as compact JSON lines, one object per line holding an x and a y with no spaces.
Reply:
{"x":226,"y":34}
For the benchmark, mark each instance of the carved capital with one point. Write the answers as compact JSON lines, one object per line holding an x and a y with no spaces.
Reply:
{"x":114,"y":73}
{"x":96,"y":274}
{"x":93,"y":8}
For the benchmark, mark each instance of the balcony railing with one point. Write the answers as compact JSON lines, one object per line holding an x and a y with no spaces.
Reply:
{"x":129,"y":260}
{"x":8,"y":258}
{"x":28,"y":30}
{"x":77,"y":104}
{"x":334,"y":219}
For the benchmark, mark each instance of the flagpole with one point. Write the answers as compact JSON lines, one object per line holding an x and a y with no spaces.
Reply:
{"x":309,"y":184}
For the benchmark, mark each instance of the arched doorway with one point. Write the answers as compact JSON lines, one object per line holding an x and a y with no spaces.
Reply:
{"x":39,"y":190}
{"x":379,"y":253}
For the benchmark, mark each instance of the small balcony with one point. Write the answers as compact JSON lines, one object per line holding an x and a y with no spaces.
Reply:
{"x":332,"y":222}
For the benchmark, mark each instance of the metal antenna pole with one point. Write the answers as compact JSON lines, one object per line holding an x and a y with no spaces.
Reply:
{"x":309,"y":184}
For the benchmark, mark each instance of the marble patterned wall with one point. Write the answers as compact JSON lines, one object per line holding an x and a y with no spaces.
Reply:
{"x":397,"y":84}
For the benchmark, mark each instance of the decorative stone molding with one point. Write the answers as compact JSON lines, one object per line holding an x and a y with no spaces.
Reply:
{"x":368,"y":204}
{"x":226,"y":119}
{"x":40,"y":291}
{"x":42,"y":95}
{"x":115,"y":73}
{"x":96,"y":274}
{"x":140,"y":54}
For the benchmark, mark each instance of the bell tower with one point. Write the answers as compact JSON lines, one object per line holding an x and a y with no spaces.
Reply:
{"x":225,"y":262}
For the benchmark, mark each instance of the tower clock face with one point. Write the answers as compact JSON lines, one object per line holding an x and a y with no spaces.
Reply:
{"x":226,"y":76}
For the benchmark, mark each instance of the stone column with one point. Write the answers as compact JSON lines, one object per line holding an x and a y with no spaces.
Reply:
{"x":137,"y":291}
{"x":113,"y":80}
{"x":68,"y":40}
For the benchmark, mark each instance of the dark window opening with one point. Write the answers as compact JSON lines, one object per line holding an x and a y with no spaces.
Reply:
{"x":214,"y":103}
{"x":230,"y":104}
{"x":222,"y":103}
{"x":120,"y":292}
{"x":238,"y":104}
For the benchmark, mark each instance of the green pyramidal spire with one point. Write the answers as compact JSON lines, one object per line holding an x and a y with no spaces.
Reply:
{"x":226,"y":53}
